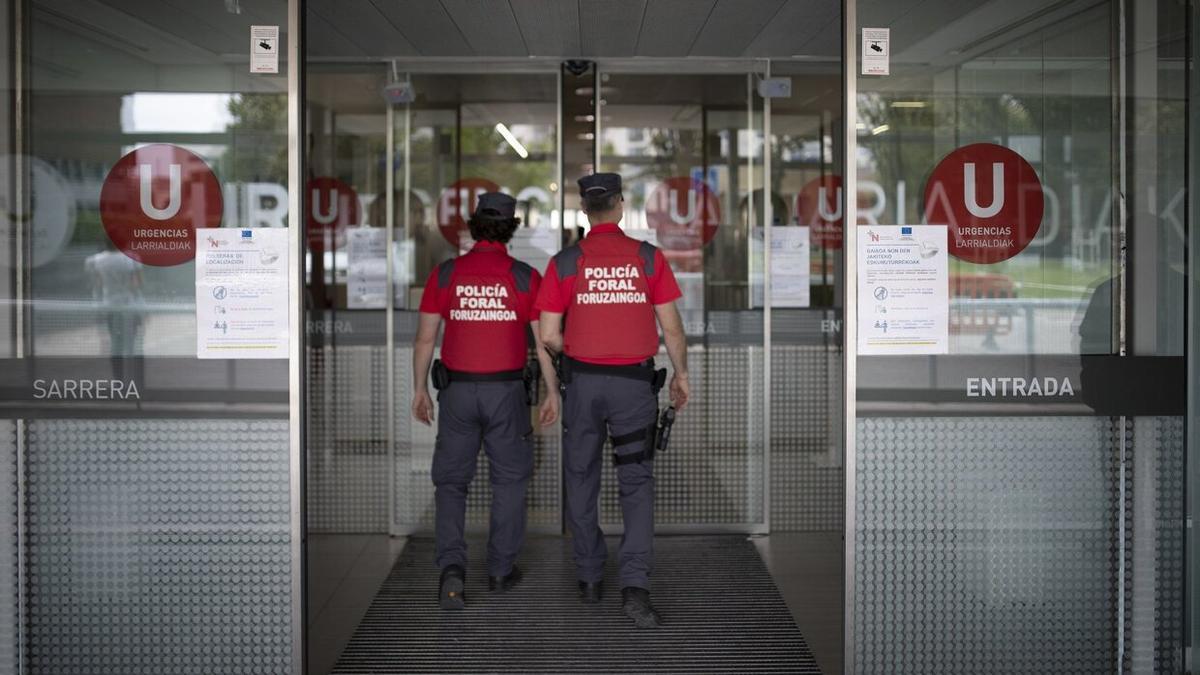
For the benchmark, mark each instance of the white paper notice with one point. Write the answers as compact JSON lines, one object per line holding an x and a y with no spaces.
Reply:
{"x":242,"y":293}
{"x":264,"y":49}
{"x":903,"y":289}
{"x":366,"y":268}
{"x":876,"y":51}
{"x":791,"y":266}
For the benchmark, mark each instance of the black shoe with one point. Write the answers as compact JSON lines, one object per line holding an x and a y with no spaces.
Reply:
{"x":450,"y":588}
{"x":635,"y":602}
{"x":505,"y":582}
{"x":590,"y":592}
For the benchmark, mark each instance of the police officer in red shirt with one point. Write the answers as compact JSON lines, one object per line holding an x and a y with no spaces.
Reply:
{"x":609,"y":289}
{"x":486,"y":299}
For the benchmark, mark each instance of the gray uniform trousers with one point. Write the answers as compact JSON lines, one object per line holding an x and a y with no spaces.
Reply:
{"x":597,"y":406}
{"x":495,"y":415}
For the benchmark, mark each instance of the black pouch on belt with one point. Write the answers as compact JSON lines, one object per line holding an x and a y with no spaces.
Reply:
{"x":660,"y":379}
{"x":533,"y":373}
{"x":441,"y":375}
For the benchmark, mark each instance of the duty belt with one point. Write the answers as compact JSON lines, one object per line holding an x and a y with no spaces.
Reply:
{"x":443,"y":376}
{"x":643,"y":371}
{"x":500,"y":376}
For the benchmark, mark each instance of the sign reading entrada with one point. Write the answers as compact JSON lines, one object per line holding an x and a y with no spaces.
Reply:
{"x":1019,"y":386}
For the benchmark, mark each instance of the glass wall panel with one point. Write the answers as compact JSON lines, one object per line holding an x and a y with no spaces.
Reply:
{"x":149,"y":489}
{"x":1019,"y":497}
{"x":807,"y":471}
{"x":1044,"y":94}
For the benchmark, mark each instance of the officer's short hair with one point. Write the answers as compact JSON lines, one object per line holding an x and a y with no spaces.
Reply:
{"x":606,"y":201}
{"x":488,"y":227}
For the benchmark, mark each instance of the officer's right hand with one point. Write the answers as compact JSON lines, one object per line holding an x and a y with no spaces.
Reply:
{"x":422,"y":407}
{"x":548,"y":412}
{"x":679,"y":391}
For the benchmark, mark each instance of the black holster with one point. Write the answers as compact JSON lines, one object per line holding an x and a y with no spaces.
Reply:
{"x":656,"y":437}
{"x":663,"y":437}
{"x":441,"y":375}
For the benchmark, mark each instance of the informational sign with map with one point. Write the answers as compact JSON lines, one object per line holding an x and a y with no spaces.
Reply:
{"x":791,"y":273}
{"x":242,"y":293}
{"x":366,"y":268}
{"x":903,"y":290}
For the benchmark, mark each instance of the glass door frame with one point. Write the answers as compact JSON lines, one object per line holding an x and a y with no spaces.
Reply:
{"x":297,"y":346}
{"x":395,"y":118}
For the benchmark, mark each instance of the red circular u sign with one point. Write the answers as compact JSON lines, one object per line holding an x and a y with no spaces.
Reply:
{"x":153,"y":201}
{"x":457,"y":203}
{"x":990,"y":198}
{"x":330,"y":207}
{"x":819,"y":206}
{"x":684,"y":212}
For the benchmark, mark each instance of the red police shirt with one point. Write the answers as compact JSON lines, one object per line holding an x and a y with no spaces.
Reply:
{"x":486,"y":299}
{"x":559,"y":294}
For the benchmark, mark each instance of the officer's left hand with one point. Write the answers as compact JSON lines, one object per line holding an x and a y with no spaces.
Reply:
{"x":422,"y":408}
{"x":548,"y":411}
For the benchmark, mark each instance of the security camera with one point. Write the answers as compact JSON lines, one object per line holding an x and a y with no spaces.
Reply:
{"x":577,"y":67}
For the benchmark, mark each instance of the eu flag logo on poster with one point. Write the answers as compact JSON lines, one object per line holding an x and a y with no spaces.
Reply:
{"x":905,"y":230}
{"x":247,"y":234}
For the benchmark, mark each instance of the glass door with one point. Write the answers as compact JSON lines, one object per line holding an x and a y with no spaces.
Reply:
{"x":689,"y":147}
{"x":466,"y":132}
{"x":399,"y":153}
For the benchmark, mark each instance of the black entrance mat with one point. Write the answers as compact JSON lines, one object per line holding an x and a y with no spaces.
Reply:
{"x":721,"y":610}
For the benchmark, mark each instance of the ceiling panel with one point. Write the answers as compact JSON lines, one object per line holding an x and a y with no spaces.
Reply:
{"x":611,"y":28}
{"x":733,"y":25}
{"x":888,"y":13}
{"x":489,"y":26}
{"x":550,"y":27}
{"x":325,"y":40}
{"x":103,"y":27}
{"x":362,"y":24}
{"x":182,"y":26}
{"x":426,"y":25}
{"x":235,"y":26}
{"x":671,"y":26}
{"x":800,"y":28}
{"x":826,"y":42}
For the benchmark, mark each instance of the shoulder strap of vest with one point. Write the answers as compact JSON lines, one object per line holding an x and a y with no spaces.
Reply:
{"x":566,"y":261}
{"x":646,"y":252}
{"x":445,"y":271}
{"x":522,"y":275}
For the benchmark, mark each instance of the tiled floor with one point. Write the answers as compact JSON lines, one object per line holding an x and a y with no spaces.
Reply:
{"x":807,"y":569}
{"x":346,"y":571}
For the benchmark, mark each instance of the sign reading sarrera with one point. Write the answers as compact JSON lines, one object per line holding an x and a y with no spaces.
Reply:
{"x":85,"y":390}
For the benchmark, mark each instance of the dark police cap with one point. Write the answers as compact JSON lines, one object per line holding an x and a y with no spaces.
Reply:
{"x":600,"y":185}
{"x":496,"y":205}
